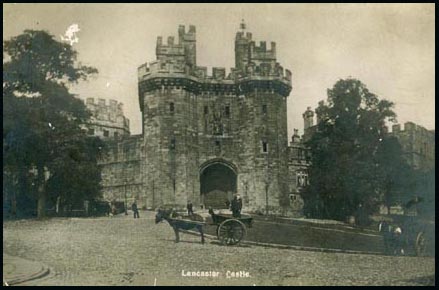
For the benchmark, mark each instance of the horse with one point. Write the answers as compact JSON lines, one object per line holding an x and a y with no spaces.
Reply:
{"x":179,"y":224}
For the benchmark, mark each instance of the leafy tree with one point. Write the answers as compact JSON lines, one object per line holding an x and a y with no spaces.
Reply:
{"x":76,"y":174}
{"x":41,"y":118}
{"x":394,"y":176}
{"x":343,"y":173}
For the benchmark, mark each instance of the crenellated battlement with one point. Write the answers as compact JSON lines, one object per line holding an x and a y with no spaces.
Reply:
{"x":243,"y":36}
{"x":166,"y":68}
{"x":186,"y":36}
{"x":260,"y":53}
{"x":170,"y":49}
{"x":183,"y":51}
{"x":255,"y":67}
{"x":100,"y":103}
{"x":410,"y":127}
{"x":107,"y":110}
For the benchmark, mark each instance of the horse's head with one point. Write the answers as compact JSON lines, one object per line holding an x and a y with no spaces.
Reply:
{"x":160,"y":215}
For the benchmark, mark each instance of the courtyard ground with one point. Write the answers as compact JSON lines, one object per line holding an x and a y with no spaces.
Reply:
{"x":125,"y":251}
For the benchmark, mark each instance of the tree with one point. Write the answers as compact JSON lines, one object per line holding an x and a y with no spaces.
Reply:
{"x":76,"y":173}
{"x":39,"y":112}
{"x":394,"y":175}
{"x":350,"y":131}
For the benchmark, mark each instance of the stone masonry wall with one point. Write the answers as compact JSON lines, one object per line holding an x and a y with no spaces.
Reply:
{"x":107,"y":118}
{"x":417,"y":143}
{"x":122,"y":169}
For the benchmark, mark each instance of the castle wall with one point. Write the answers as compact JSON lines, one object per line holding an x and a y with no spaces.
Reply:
{"x":418,"y":145}
{"x":122,"y":170}
{"x":107,"y":120}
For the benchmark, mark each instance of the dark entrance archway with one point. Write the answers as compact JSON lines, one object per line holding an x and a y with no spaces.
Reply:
{"x":217,"y":184}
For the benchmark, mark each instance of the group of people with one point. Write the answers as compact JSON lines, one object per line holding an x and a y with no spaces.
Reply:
{"x":235,"y":206}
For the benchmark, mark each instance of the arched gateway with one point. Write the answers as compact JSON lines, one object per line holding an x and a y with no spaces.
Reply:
{"x":217,"y":183}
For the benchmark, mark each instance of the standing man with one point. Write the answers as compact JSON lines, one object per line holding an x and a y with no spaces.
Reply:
{"x":135,"y":210}
{"x":189,"y":207}
{"x":236,"y":206}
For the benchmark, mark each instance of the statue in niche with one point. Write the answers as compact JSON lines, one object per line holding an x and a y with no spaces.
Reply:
{"x":217,"y":126}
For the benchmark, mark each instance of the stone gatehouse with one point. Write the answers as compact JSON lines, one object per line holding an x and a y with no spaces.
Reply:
{"x":208,"y":136}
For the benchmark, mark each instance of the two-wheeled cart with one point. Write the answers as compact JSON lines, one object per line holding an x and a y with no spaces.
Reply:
{"x":231,"y":230}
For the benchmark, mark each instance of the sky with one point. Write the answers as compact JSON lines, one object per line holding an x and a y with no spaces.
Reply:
{"x":389,"y":47}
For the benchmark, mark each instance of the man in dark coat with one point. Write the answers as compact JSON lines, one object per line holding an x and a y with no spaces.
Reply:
{"x":135,"y":210}
{"x":236,"y":206}
{"x":189,"y":206}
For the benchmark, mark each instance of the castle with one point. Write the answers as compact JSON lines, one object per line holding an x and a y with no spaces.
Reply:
{"x":205,"y":137}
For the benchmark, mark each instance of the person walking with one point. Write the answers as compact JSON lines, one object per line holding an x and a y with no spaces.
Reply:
{"x":135,"y":210}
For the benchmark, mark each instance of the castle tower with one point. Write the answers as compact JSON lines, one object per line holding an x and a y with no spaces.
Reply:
{"x":188,"y":41}
{"x":209,"y":136}
{"x":308,"y":119}
{"x":242,"y":44}
{"x":264,"y":122}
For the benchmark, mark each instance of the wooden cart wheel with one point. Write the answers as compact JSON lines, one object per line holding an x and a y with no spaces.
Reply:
{"x":231,"y":232}
{"x":420,"y":244}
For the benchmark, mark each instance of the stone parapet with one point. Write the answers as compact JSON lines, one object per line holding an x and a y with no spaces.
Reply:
{"x":107,"y":115}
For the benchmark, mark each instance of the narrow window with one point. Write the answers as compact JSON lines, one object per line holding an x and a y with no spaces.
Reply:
{"x":264,"y":109}
{"x":91,"y":131}
{"x":116,"y":134}
{"x":171,"y":107}
{"x":302,"y":179}
{"x":172,"y":144}
{"x":106,"y":133}
{"x":217,"y":143}
{"x":227,"y":111}
{"x":264,"y":147}
{"x":206,"y":110}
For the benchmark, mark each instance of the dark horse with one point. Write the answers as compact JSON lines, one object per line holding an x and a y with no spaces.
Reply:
{"x":179,"y":224}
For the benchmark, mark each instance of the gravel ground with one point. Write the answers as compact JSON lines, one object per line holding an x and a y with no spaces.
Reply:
{"x":124,"y":251}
